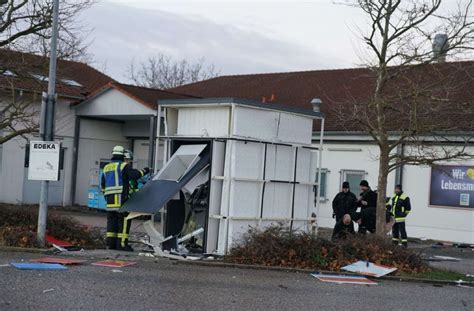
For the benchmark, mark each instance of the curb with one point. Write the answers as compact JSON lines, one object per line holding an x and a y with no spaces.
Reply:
{"x":15,"y":249}
{"x":299,"y":270}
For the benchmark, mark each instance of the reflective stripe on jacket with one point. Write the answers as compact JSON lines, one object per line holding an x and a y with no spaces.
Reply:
{"x":113,"y":186}
{"x":400,"y":207}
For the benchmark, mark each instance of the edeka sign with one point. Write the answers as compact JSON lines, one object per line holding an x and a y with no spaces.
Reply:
{"x":44,"y":160}
{"x":452,"y":186}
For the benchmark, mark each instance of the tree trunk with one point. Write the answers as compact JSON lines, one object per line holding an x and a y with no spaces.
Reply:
{"x":382,"y":192}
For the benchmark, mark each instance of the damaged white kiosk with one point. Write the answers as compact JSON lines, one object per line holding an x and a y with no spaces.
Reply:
{"x":230,"y":164}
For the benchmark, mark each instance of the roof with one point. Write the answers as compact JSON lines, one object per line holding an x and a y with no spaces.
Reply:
{"x":147,"y":96}
{"x":241,"y":102}
{"x":338,"y":89}
{"x":25,"y":65}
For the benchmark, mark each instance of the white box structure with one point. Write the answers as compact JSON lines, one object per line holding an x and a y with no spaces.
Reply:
{"x":261,"y":168}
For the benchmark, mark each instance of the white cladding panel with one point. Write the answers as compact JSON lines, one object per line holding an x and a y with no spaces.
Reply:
{"x":243,"y":187}
{"x":271,"y":125}
{"x":203,"y":121}
{"x":215,"y":194}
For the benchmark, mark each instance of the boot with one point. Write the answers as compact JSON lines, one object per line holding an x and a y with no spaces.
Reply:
{"x":126,"y":248}
{"x":111,"y":243}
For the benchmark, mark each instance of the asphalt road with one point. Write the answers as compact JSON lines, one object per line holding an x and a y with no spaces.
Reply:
{"x":163,"y":285}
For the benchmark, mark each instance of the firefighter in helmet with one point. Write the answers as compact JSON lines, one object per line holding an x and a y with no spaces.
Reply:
{"x":115,"y":184}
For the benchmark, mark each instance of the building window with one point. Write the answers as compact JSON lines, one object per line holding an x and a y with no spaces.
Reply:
{"x":353,"y":177}
{"x":324,"y":174}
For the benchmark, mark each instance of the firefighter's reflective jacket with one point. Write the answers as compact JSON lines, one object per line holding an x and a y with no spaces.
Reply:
{"x":400,"y":207}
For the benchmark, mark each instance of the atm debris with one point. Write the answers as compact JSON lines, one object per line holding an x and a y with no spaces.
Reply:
{"x":38,"y":266}
{"x":343,"y":279}
{"x":62,"y":261}
{"x":369,"y":269}
{"x":114,"y":263}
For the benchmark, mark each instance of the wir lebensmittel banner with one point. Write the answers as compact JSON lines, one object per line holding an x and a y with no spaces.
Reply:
{"x":452,"y":186}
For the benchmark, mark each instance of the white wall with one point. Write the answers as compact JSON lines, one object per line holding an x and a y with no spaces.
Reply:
{"x":440,"y":223}
{"x":11,"y":178}
{"x":271,"y":125}
{"x":12,"y":174}
{"x":450,"y":224}
{"x":207,"y":122}
{"x":96,"y":142}
{"x":113,"y":103}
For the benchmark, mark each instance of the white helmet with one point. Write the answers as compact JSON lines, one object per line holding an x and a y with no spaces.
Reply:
{"x":118,"y":150}
{"x":128,"y":155}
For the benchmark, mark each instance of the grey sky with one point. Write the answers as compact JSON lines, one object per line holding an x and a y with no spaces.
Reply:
{"x":237,"y":36}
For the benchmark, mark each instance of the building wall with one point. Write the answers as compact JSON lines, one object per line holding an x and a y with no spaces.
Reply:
{"x":450,"y":224}
{"x":96,"y":143}
{"x":112,"y":103}
{"x":14,"y":182}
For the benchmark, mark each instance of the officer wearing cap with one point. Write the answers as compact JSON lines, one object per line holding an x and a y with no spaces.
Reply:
{"x":115,"y":184}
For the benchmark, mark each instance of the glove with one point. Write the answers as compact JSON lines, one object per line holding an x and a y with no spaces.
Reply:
{"x":146,"y":170}
{"x":333,"y":215}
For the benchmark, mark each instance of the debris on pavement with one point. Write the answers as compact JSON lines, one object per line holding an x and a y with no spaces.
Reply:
{"x":369,"y":269}
{"x":343,"y":279}
{"x":116,"y":271}
{"x":114,"y":263}
{"x":63,"y":261}
{"x":54,"y":241}
{"x":441,"y":258}
{"x":61,"y":249}
{"x":144,"y":254}
{"x":48,"y":290}
{"x":38,"y":266}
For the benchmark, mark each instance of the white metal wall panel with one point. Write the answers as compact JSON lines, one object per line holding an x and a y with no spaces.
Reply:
{"x":294,"y":129}
{"x":247,"y":161}
{"x":277,"y":200}
{"x":206,"y":122}
{"x":271,"y":125}
{"x":215,"y":194}
{"x":254,"y":123}
{"x":225,"y":199}
{"x":303,"y":167}
{"x":279,"y":163}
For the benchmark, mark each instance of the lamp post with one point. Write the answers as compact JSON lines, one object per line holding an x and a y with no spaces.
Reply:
{"x":47,"y":122}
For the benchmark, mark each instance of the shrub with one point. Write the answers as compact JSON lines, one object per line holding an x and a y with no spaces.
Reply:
{"x":278,"y":246}
{"x":18,"y":225}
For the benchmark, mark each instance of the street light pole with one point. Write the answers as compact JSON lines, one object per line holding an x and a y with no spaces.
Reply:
{"x":47,"y":122}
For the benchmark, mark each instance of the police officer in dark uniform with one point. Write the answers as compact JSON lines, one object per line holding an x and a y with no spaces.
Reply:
{"x":368,"y":206}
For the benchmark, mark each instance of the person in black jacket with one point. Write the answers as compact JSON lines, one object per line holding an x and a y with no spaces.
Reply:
{"x":368,"y":206}
{"x":345,"y":202}
{"x":344,"y":227}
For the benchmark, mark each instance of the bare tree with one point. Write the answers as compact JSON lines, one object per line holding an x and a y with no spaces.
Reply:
{"x":163,"y":72}
{"x":25,"y":25}
{"x":416,"y":100}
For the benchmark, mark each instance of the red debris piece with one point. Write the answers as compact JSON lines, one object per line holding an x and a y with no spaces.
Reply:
{"x":114,"y":263}
{"x":63,"y":261}
{"x":52,"y":240}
